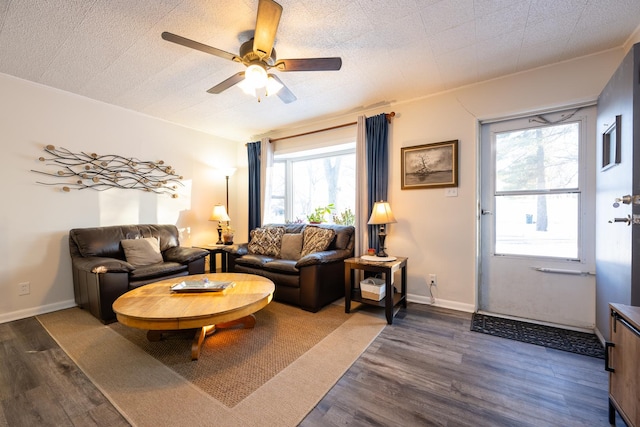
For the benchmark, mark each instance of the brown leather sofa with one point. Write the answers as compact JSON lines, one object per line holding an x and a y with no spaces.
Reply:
{"x":311,"y":281}
{"x":101,"y":272}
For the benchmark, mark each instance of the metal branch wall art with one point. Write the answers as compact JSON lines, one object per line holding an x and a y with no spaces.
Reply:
{"x":102,"y":172}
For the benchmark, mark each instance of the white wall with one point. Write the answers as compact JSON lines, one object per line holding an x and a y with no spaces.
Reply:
{"x":35,"y":219}
{"x":438,"y":233}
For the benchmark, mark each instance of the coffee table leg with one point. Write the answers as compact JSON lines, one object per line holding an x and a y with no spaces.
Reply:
{"x":154,"y":336}
{"x":198,"y":339}
{"x":246,"y":322}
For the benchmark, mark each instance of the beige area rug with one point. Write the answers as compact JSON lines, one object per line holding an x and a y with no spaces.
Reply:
{"x":234,"y":363}
{"x":271,"y":375}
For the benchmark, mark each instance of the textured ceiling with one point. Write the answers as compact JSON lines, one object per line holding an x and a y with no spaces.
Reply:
{"x":392,"y":50}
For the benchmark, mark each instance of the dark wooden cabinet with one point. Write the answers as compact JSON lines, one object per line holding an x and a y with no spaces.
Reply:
{"x":622,"y":360}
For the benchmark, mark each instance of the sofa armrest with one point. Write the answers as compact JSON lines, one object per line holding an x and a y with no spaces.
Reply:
{"x":102,"y":265}
{"x":237,"y":250}
{"x":184,"y":255}
{"x":323,"y":257}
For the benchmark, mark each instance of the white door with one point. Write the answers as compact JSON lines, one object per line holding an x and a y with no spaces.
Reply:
{"x":537,"y":218}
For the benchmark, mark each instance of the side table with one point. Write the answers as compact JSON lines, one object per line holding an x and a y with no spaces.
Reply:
{"x":213,"y":250}
{"x":391,"y":298}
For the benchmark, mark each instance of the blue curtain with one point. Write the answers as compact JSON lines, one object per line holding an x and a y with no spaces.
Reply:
{"x":377,"y":151}
{"x":253,"y":153}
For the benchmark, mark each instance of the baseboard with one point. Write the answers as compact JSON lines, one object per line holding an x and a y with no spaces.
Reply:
{"x":600,"y":336}
{"x":35,"y":311}
{"x":453,"y":305}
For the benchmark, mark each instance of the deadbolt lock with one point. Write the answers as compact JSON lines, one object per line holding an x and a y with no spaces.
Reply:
{"x":627,"y":200}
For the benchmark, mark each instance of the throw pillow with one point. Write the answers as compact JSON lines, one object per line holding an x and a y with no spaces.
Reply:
{"x":291,"y":246}
{"x":140,"y":252}
{"x":316,"y":239}
{"x":266,"y":241}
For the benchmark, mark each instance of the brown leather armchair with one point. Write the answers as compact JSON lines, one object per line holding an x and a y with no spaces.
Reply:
{"x":101,"y":272}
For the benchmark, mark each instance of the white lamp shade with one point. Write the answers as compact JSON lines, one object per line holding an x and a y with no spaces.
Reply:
{"x":219,"y":213}
{"x":381,"y":214}
{"x":226,"y":171}
{"x":273,"y":86}
{"x":256,"y":76}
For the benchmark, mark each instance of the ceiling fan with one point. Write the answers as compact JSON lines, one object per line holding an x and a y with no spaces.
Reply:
{"x":259,"y":56}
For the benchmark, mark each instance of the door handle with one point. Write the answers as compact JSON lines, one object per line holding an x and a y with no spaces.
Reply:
{"x":627,"y":220}
{"x":635,"y":219}
{"x":608,"y":345}
{"x":486,"y":212}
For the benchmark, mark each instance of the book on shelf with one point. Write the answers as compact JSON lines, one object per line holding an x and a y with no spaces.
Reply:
{"x":202,"y":286}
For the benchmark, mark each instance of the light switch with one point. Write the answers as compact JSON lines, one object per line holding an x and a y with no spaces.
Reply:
{"x":451,"y":192}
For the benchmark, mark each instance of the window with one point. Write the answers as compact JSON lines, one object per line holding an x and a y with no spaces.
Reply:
{"x":537,"y":191}
{"x":305,"y":180}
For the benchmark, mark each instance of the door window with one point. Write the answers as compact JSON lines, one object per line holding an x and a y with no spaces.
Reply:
{"x":537,"y":191}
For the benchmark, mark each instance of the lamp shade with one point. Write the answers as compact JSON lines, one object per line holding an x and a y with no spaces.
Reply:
{"x":227,"y":171}
{"x":273,"y":86}
{"x":256,"y":75}
{"x":219,"y":213}
{"x":381,"y":214}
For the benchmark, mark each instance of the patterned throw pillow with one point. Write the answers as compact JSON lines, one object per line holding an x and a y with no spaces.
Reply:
{"x":316,"y":239}
{"x":266,"y":241}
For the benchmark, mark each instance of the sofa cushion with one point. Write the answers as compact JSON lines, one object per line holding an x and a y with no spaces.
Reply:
{"x":291,"y":246}
{"x":98,"y":241}
{"x":316,"y":239}
{"x":141,"y":252}
{"x":266,"y":241}
{"x":253,"y":260}
{"x":282,"y":266}
{"x":159,"y":270}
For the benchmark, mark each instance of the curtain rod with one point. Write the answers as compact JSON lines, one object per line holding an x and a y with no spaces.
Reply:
{"x":389,"y":117}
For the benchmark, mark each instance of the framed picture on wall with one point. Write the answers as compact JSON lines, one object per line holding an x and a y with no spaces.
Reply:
{"x":430,"y":165}
{"x":611,"y":145}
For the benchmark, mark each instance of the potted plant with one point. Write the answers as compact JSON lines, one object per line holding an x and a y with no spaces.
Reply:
{"x":346,"y":217}
{"x":317,"y":216}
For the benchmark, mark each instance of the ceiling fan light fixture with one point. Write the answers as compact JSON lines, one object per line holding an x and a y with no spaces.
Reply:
{"x":273,"y":86}
{"x":256,"y":76}
{"x":259,"y":56}
{"x":247,"y":88}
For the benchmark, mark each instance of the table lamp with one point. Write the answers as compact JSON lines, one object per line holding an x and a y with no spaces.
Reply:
{"x":381,"y":215}
{"x":219,"y":214}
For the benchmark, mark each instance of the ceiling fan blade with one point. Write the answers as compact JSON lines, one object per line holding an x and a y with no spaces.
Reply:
{"x":284,"y":93}
{"x":174,"y":38}
{"x":226,"y":84}
{"x":266,"y":26}
{"x":309,"y":64}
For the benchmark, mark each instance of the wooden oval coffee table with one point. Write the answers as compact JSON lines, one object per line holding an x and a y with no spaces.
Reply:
{"x":155,"y":308}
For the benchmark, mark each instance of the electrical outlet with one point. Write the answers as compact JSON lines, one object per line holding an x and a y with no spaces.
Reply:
{"x":24,"y":288}
{"x":433,"y":280}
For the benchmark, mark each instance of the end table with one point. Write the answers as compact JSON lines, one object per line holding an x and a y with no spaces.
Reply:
{"x":213,"y":250}
{"x":391,"y":298}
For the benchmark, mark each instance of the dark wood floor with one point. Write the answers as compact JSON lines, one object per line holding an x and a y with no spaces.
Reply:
{"x":41,"y":386}
{"x":428,"y":369}
{"x":425,"y":369}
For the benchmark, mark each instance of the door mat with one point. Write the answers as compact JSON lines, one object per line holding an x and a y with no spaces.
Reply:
{"x":546,"y":336}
